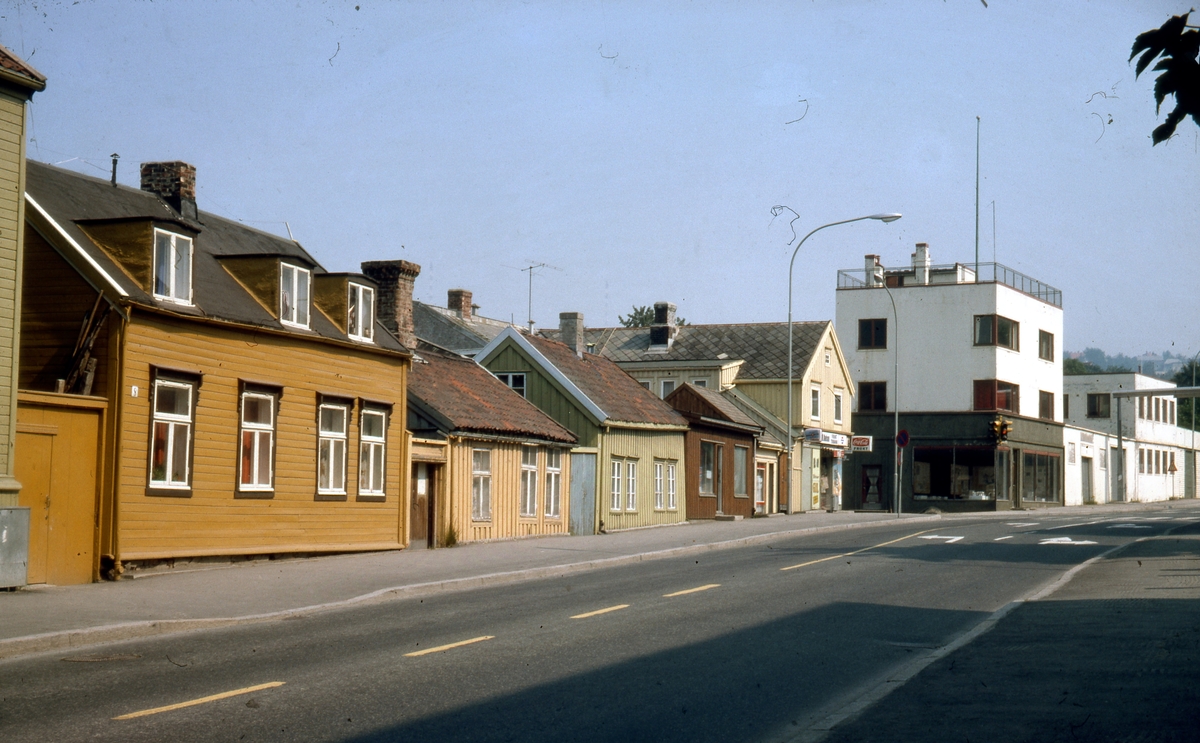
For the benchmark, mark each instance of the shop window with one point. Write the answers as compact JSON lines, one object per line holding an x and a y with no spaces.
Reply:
{"x":708,"y":468}
{"x":740,"y":455}
{"x":1040,"y":477}
{"x":954,"y":473}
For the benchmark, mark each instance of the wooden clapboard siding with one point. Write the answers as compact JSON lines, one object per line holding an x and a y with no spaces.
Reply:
{"x":12,"y":205}
{"x":646,"y":446}
{"x":545,"y":393}
{"x":732,"y":503}
{"x":213,"y":521}
{"x":56,"y":298}
{"x":506,"y":521}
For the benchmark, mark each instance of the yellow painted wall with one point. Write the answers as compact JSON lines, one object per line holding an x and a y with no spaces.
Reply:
{"x":212,"y":521}
{"x":644,"y":445}
{"x":506,"y":521}
{"x":12,"y":224}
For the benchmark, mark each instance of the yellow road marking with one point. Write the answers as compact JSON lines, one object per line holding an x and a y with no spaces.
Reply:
{"x":855,"y":552}
{"x":601,"y":611}
{"x":451,"y":646}
{"x":692,"y":590}
{"x":202,"y":700}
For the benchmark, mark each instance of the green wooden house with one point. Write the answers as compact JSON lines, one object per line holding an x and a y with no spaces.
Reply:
{"x":627,"y":468}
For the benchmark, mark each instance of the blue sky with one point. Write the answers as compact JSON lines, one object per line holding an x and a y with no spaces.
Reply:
{"x":638,"y":148}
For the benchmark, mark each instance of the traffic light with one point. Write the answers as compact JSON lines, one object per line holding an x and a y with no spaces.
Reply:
{"x":1005,"y":428}
{"x":994,"y":428}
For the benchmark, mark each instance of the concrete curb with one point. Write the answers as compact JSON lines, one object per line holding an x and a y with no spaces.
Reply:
{"x":77,"y":638}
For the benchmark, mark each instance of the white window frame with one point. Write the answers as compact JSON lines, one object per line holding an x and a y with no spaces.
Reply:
{"x":360,"y":325}
{"x":660,"y":493}
{"x":672,"y":501}
{"x":663,"y":387}
{"x":529,"y":482}
{"x":172,"y":292}
{"x":295,"y":284}
{"x":631,"y":485}
{"x":615,"y":481}
{"x":372,"y":453}
{"x":741,"y":456}
{"x":336,"y":443}
{"x":177,"y":425}
{"x":701,"y":383}
{"x":481,"y":484}
{"x":815,"y":403}
{"x":261,"y":445}
{"x":515,"y":381}
{"x":837,"y":406}
{"x":553,"y":497}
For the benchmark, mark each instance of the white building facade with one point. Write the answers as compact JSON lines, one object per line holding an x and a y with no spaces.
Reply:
{"x":1159,"y":455}
{"x":975,"y":352}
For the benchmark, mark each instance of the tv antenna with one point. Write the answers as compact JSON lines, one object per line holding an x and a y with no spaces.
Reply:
{"x":533,"y":268}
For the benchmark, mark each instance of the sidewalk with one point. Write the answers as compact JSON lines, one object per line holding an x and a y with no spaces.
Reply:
{"x":47,"y":617}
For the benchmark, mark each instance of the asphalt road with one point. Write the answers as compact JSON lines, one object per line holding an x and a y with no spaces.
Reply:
{"x":756,"y":643}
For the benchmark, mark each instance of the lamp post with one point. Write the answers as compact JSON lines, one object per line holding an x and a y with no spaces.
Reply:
{"x":791,"y":436}
{"x":1193,"y":406}
{"x":895,"y":391}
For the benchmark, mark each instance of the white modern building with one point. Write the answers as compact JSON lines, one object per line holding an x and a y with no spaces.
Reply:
{"x":1159,"y":455}
{"x":969,"y":350}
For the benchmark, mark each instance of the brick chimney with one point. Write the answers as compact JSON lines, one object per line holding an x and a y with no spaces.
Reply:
{"x":175,"y":183}
{"x":394,"y":302}
{"x":570,"y":325}
{"x":459,"y":300}
{"x":662,"y":332}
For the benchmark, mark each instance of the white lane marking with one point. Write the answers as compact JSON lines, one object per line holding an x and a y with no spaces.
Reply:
{"x":949,"y":540}
{"x":998,"y":539}
{"x":1068,"y":526}
{"x":1153,"y":518}
{"x":1065,"y":540}
{"x":1128,"y":526}
{"x":1026,"y":523}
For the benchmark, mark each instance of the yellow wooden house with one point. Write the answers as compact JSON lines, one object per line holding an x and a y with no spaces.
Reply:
{"x":251,"y":402}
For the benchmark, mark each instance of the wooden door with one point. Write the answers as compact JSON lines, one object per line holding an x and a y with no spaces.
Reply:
{"x":35,"y":462}
{"x":419,"y":513}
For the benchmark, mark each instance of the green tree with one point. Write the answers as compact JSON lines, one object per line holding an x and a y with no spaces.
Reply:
{"x":1176,"y":46}
{"x":1184,"y":378}
{"x":1076,"y":366}
{"x":642,"y":317}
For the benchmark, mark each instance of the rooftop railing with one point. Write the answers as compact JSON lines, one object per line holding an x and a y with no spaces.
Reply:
{"x":956,"y":273}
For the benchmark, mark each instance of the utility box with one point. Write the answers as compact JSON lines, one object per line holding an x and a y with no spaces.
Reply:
{"x":14,"y":547}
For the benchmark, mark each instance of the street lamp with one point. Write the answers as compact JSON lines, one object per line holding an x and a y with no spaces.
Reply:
{"x":791,"y":437}
{"x":879,"y":274}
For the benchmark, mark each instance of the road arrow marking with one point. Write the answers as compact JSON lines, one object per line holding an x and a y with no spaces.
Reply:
{"x":1065,"y":540}
{"x":949,"y":540}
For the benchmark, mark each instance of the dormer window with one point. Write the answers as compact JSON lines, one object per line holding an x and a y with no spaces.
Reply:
{"x":293,"y":295}
{"x":361,"y":312}
{"x":172,"y":267}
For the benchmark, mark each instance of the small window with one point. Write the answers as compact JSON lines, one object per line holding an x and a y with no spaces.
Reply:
{"x":668,"y":386}
{"x":529,"y":472}
{"x":1099,"y":405}
{"x":815,"y":403}
{"x":1141,"y":407}
{"x":1045,"y":345}
{"x":172,"y":267}
{"x":837,"y":407}
{"x":993,"y":394}
{"x":660,"y":482}
{"x":331,"y":448}
{"x":257,"y":441}
{"x":481,"y":485}
{"x":515,"y":382}
{"x":672,"y":504}
{"x":828,"y":357}
{"x":372,"y":450}
{"x":1172,"y":416}
{"x":872,"y":396}
{"x":994,"y":330}
{"x":294,"y":284}
{"x":615,"y":484}
{"x":553,"y":483}
{"x":170,"y":450}
{"x":1046,"y":405}
{"x":1142,"y":461}
{"x":700,"y":383}
{"x":1156,"y":412}
{"x":872,"y":333}
{"x":708,"y":468}
{"x":360,"y":318}
{"x":630,"y":486}
{"x":645,"y":383}
{"x":740,"y":455}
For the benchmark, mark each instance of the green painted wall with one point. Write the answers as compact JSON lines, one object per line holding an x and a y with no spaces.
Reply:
{"x":545,"y":393}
